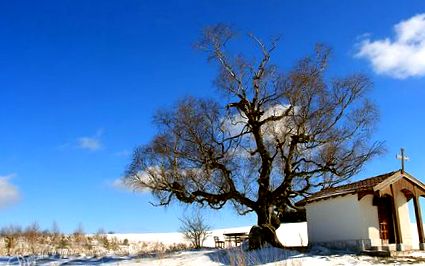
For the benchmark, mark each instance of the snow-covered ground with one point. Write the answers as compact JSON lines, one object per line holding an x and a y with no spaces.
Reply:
{"x":290,"y":234}
{"x":269,"y":257}
{"x":234,"y":256}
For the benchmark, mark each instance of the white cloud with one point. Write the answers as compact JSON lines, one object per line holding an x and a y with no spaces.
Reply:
{"x":9,"y":193}
{"x":88,"y":143}
{"x":402,"y":57}
{"x":93,"y":143}
{"x":120,"y":184}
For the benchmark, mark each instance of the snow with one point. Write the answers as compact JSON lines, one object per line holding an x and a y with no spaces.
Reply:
{"x":269,"y":257}
{"x":235,"y":256}
{"x":290,"y":234}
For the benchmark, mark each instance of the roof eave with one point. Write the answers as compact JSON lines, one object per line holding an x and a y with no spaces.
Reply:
{"x":388,"y":181}
{"x":395,"y":177}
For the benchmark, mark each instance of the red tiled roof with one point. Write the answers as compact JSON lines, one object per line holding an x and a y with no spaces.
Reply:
{"x":365,"y":184}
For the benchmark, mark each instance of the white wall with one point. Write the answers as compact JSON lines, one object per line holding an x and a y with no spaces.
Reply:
{"x":293,"y":234}
{"x":336,"y":219}
{"x":369,"y":218}
{"x":347,"y":218}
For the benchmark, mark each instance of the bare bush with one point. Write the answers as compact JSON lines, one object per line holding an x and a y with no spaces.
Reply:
{"x":195,"y":229}
{"x":10,"y":234}
{"x":32,"y":241}
{"x":32,"y":236}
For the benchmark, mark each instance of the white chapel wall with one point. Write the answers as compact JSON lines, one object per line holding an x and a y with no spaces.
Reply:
{"x":370,"y":219}
{"x":335,"y":219}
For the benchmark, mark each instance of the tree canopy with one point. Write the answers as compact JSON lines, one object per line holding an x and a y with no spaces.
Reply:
{"x":276,"y":136}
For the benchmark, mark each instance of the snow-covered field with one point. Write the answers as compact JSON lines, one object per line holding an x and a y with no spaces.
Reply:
{"x":269,"y":257}
{"x":293,"y":234}
{"x":234,"y":256}
{"x":290,"y":234}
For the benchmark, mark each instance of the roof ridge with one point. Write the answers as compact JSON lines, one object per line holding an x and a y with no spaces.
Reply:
{"x":355,"y":186}
{"x":367,"y":179}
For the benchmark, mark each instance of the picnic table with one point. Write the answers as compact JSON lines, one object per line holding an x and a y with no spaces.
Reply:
{"x":236,"y":238}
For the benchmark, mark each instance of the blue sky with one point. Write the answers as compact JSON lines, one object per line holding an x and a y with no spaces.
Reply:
{"x":80,"y":80}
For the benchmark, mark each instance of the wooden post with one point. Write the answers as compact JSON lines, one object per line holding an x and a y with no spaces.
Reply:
{"x":398,"y":236}
{"x":419,"y":223}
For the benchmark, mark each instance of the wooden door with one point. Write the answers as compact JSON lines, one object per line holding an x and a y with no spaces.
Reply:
{"x":386,"y":222}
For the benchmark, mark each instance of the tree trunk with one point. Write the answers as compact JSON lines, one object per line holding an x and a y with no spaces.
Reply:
{"x":265,"y":230}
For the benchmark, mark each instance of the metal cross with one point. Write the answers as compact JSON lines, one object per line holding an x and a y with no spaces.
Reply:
{"x":402,"y":158}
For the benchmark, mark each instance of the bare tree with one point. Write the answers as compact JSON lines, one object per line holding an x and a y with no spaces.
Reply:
{"x":55,"y":230}
{"x":55,"y":233}
{"x":79,"y":231}
{"x":101,"y":232}
{"x":79,"y":237}
{"x":273,"y":138}
{"x":195,"y":229}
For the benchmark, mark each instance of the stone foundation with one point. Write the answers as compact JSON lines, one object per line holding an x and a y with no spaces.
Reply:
{"x":356,"y":245}
{"x":359,"y":245}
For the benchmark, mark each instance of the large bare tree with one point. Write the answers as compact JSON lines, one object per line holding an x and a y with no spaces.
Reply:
{"x":273,"y":138}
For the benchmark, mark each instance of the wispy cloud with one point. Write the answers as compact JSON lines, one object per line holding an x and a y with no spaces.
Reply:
{"x":123,"y":153}
{"x":89,"y":143}
{"x":119,"y":184}
{"x":92,"y":143}
{"x":401,"y":57}
{"x":9,"y":193}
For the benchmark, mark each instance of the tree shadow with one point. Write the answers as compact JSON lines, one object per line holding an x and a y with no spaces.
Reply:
{"x":94,"y":261}
{"x":57,"y":260}
{"x":238,"y":256}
